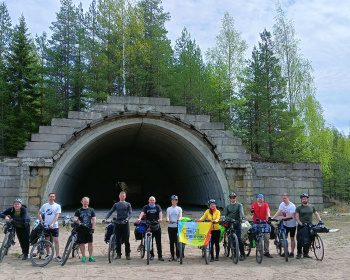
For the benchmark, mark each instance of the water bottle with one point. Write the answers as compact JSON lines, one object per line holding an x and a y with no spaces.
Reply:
{"x":253,"y":243}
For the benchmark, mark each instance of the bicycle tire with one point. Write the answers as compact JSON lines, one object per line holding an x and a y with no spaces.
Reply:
{"x":111,"y":248}
{"x":67,"y":250}
{"x":226,"y":245}
{"x":41,"y":246}
{"x":142,"y":248}
{"x":148,"y":245}
{"x":180,"y":251}
{"x":206,"y":253}
{"x":247,"y":248}
{"x":234,"y":247}
{"x":259,"y":250}
{"x":317,"y":247}
{"x":278,"y":245}
{"x":5,"y":246}
{"x":75,"y":251}
{"x":284,"y":245}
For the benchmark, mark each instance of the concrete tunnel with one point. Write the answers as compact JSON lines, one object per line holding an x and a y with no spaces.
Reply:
{"x":144,"y":155}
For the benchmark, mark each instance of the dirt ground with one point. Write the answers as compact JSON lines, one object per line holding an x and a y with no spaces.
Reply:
{"x":334,"y":265}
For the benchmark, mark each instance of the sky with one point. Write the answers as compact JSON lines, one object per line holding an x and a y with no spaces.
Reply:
{"x":323,"y":27}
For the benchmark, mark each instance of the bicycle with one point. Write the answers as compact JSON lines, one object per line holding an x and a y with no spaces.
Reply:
{"x":207,"y":250}
{"x":72,"y":244}
{"x":147,"y":239}
{"x":281,"y":237}
{"x":230,"y":238}
{"x":43,"y":250}
{"x":316,"y":240}
{"x":112,"y":247}
{"x":256,"y":236}
{"x":9,"y":239}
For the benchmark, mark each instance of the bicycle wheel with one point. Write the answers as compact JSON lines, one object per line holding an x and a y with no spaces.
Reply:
{"x":180,"y":251}
{"x":206,"y":253}
{"x":67,"y":250}
{"x":148,"y":247}
{"x":226,"y":245}
{"x":42,"y":253}
{"x":75,"y":251}
{"x":259,"y":249}
{"x":317,"y":247}
{"x":6,"y":243}
{"x":284,"y":244}
{"x":233,"y":240}
{"x":111,"y":248}
{"x":247,"y":248}
{"x":278,"y":245}
{"x":142,"y":248}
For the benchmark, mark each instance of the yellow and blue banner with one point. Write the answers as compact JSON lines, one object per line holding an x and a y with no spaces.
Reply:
{"x":194,"y":233}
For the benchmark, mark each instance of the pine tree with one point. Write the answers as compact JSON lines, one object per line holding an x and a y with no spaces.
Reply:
{"x":24,"y":115}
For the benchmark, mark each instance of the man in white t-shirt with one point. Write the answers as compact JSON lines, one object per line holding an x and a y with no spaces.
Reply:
{"x":173,"y":215}
{"x":287,"y":209}
{"x":49,"y":214}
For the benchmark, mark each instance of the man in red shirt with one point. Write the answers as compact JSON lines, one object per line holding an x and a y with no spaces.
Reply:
{"x":261,"y":210}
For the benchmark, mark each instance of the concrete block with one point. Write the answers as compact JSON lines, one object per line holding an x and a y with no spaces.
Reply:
{"x":108,"y":107}
{"x":45,"y":137}
{"x":154,"y":101}
{"x":231,"y":149}
{"x":194,"y":118}
{"x":9,"y":191}
{"x":43,"y":146}
{"x":34,"y":192}
{"x":271,"y":173}
{"x":35,"y":153}
{"x":211,"y":125}
{"x":10,"y":171}
{"x":34,"y":200}
{"x":44,"y":171}
{"x":56,"y":130}
{"x":236,"y":156}
{"x":69,"y":122}
{"x":8,"y":200}
{"x":171,"y":109}
{"x":123,"y":100}
{"x":9,"y":162}
{"x":138,"y":108}
{"x":84,"y":115}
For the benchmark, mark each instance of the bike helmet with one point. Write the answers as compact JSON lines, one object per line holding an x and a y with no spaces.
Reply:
{"x":304,"y":195}
{"x":174,"y":197}
{"x":18,"y":200}
{"x":260,"y":195}
{"x":212,"y":201}
{"x":232,"y":195}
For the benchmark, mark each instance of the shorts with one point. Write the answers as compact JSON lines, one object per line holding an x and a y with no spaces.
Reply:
{"x":84,"y":237}
{"x":53,"y":232}
{"x":291,"y":230}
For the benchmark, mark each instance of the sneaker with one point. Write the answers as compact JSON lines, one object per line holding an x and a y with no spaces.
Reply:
{"x":83,"y":259}
{"x":151,"y":258}
{"x":46,"y":257}
{"x":91,"y":259}
{"x":20,"y":256}
{"x":119,"y":256}
{"x":58,"y":258}
{"x":24,"y":257}
{"x":298,"y":256}
{"x":128,"y":257}
{"x":242,"y":257}
{"x":267,"y":255}
{"x":217,"y":259}
{"x":306,"y":256}
{"x":161,"y":259}
{"x":291,"y":255}
{"x":178,"y":259}
{"x":211,"y":259}
{"x":171,"y":259}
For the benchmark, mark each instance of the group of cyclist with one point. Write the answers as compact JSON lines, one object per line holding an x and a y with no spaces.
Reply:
{"x":49,"y":214}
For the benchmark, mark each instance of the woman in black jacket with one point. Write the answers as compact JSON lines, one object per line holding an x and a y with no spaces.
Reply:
{"x":19,"y":214}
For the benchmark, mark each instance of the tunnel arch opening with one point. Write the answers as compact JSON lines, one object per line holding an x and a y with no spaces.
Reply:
{"x":143,"y":155}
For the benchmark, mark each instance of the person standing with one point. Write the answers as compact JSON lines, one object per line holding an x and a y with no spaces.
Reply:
{"x":20,"y":216}
{"x":235,"y":211}
{"x":303,"y":216}
{"x":87,"y":216}
{"x":287,"y":210}
{"x":122,"y":228}
{"x":213,"y":215}
{"x":153,"y":212}
{"x":261,"y":211}
{"x":51,"y":211}
{"x":173,"y":215}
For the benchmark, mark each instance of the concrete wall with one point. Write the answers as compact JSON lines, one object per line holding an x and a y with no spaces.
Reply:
{"x":10,"y":182}
{"x":274,"y":179}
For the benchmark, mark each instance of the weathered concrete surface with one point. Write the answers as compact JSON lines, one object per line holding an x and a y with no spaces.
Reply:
{"x":151,"y":148}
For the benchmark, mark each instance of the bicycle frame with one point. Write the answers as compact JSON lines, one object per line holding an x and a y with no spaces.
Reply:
{"x":10,"y":235}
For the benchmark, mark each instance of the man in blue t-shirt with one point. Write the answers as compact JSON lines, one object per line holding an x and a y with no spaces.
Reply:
{"x":153,"y":213}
